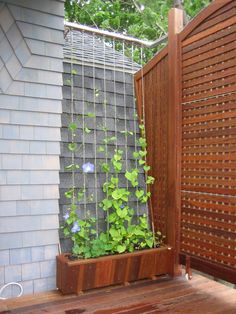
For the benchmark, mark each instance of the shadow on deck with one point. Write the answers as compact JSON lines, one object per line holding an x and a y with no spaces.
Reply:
{"x":164,"y":295}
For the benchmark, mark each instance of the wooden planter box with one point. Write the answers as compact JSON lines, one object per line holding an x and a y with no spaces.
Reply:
{"x":81,"y":275}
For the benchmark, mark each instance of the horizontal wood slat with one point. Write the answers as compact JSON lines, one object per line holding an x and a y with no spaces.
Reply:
{"x":209,"y":133}
{"x":221,"y":233}
{"x":209,"y":70}
{"x":208,"y":197}
{"x":204,"y":252}
{"x":216,"y":19}
{"x":209,"y":31}
{"x":208,"y":106}
{"x":204,"y":43}
{"x":223,"y":9}
{"x":211,"y":198}
{"x":206,"y":210}
{"x":210,"y":62}
{"x":228,"y":37}
{"x":206,"y":124}
{"x":218,"y":250}
{"x":212,"y":85}
{"x":210,"y":77}
{"x":209,"y":54}
{"x":210,"y":93}
{"x":205,"y":237}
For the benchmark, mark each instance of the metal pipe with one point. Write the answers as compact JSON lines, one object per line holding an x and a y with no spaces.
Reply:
{"x":144,"y":43}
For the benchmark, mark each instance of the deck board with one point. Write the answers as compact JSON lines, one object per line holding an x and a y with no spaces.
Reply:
{"x":164,"y":295}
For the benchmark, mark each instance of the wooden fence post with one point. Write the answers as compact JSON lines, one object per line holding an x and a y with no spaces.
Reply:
{"x":174,"y":135}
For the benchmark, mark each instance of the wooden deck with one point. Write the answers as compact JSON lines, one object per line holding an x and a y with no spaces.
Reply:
{"x":199,"y":295}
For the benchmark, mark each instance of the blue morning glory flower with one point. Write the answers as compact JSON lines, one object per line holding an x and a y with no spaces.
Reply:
{"x":88,"y":167}
{"x":122,"y":206}
{"x":75,"y":227}
{"x":66,"y":216}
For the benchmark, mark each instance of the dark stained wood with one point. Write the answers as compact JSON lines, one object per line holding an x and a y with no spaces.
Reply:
{"x":208,"y":216}
{"x":225,"y":36}
{"x":154,"y":106}
{"x":211,"y":268}
{"x":201,"y":134}
{"x":151,"y":64}
{"x":199,"y":295}
{"x":206,"y":43}
{"x":217,"y":19}
{"x":209,"y":70}
{"x":225,"y":8}
{"x":212,"y":53}
{"x":203,"y":15}
{"x":82,"y":275}
{"x":174,"y":133}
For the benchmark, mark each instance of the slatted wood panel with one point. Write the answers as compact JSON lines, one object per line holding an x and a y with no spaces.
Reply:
{"x":152,"y":99}
{"x":80,"y":275}
{"x":199,"y":295}
{"x":208,"y":218}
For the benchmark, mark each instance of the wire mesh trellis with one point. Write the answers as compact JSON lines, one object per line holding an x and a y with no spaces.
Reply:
{"x":100,"y":95}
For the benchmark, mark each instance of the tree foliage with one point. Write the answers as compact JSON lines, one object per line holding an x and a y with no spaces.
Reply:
{"x":145,"y":19}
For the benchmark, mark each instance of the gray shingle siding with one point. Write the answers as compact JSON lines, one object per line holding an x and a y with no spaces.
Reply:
{"x":31,"y":39}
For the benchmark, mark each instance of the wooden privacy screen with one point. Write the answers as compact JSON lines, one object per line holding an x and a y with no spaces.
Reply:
{"x":207,"y":107}
{"x":152,"y":92}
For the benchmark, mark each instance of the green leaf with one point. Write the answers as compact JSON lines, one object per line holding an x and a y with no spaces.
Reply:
{"x":142,"y":153}
{"x":142,"y":142}
{"x":112,"y":217}
{"x":139,"y":194}
{"x":87,"y":130}
{"x":136,"y":155}
{"x":66,"y":232}
{"x":122,"y":213}
{"x":126,"y":133}
{"x":91,"y":115}
{"x":121,"y":248}
{"x":72,"y":147}
{"x":117,"y":166}
{"x":80,"y":195}
{"x":69,"y":194}
{"x":132,"y":177}
{"x":72,"y":126}
{"x":139,"y":232}
{"x":117,"y":157}
{"x":74,"y":72}
{"x":72,"y":167}
{"x":141,"y":162}
{"x":105,"y":167}
{"x":146,"y":168}
{"x":106,"y":204}
{"x":67,"y":82}
{"x":149,"y":242}
{"x":111,"y":139}
{"x":114,"y":233}
{"x":120,"y":194}
{"x":150,"y":180}
{"x":114,"y":180}
{"x":101,"y":149}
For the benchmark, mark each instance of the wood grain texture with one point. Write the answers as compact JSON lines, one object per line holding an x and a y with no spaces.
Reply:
{"x":201,"y":134}
{"x":82,"y":275}
{"x":208,"y":212}
{"x":154,"y":106}
{"x":174,"y":132}
{"x":199,"y":295}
